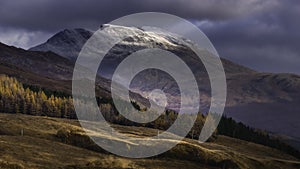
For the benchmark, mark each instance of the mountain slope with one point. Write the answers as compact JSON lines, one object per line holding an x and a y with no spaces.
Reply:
{"x":42,"y":69}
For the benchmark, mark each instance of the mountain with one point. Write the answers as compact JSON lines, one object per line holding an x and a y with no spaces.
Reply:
{"x":262,"y":100}
{"x":69,"y":42}
{"x":139,"y":39}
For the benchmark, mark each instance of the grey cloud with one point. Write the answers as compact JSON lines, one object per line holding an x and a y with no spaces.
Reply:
{"x":22,"y":38}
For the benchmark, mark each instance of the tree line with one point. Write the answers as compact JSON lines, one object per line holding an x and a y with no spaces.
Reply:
{"x":14,"y":98}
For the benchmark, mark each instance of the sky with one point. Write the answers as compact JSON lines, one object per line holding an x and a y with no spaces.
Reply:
{"x":260,"y":34}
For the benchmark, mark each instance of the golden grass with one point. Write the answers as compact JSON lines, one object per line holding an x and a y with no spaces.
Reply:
{"x":61,"y":143}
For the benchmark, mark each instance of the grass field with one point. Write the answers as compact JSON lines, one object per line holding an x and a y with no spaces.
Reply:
{"x":61,"y":143}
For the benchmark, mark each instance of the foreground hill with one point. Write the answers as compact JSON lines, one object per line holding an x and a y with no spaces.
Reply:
{"x":61,"y":143}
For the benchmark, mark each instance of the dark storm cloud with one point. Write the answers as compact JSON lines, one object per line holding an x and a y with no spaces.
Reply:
{"x":54,"y":14}
{"x":266,"y":41}
{"x":262,"y":34}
